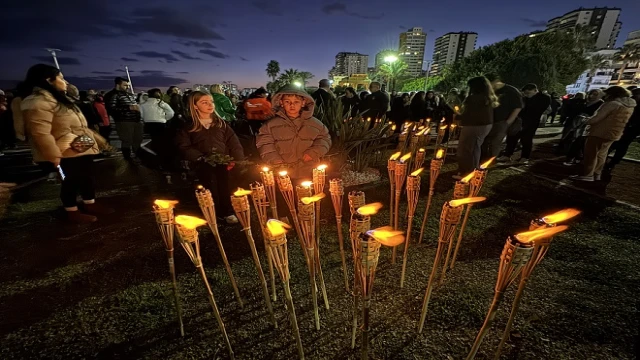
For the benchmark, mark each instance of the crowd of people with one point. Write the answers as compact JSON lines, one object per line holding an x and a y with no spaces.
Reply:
{"x":67,"y":128}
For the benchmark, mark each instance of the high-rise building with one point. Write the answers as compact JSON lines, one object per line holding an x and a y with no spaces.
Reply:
{"x":633,"y":38}
{"x":450,"y":48}
{"x":348,"y":63}
{"x":411,"y":50}
{"x":383,"y":54}
{"x":603,"y":23}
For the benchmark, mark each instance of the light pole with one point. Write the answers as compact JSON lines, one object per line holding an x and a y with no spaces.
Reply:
{"x":53,"y":53}
{"x":426,"y":77}
{"x":390,"y":59}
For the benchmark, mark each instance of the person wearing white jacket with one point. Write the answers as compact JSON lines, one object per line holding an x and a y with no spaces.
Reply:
{"x":155,"y":114}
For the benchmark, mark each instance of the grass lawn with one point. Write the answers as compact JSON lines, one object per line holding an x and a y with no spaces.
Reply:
{"x":634,"y":150}
{"x":103,"y":291}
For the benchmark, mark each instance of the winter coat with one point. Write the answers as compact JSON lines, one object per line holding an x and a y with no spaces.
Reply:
{"x":156,"y":111}
{"x":352,"y":103}
{"x":101,"y":110}
{"x":376,"y":105}
{"x":119,"y":106}
{"x":222,"y":140}
{"x":611,"y":118}
{"x":89,"y":112}
{"x":476,"y":111}
{"x":52,"y":127}
{"x":18,"y":120}
{"x":257,"y":108}
{"x":282,"y":140}
{"x":224,"y":107}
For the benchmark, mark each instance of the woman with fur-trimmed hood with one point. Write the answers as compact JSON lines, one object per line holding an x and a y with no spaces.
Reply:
{"x":293,"y":138}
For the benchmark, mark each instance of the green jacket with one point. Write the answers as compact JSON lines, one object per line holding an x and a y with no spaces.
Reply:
{"x":224,"y":107}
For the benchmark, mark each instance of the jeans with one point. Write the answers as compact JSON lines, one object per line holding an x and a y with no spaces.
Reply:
{"x":78,"y":173}
{"x":216,"y":179}
{"x":595,"y":155}
{"x":493,"y":142}
{"x":470,"y":147}
{"x":525,"y":136}
{"x":130,"y":133}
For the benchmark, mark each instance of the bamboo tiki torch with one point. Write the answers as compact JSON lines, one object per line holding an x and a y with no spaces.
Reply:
{"x":277,"y":242}
{"x":475,"y":184}
{"x":205,"y":200}
{"x":442,"y":129}
{"x":402,"y":140}
{"x":319,"y":178}
{"x":286,"y":188}
{"x":270,"y":186}
{"x":188,"y":235}
{"x":424,"y":139}
{"x":401,"y":175}
{"x":306,"y":212}
{"x":336,"y":188}
{"x":305,"y":190}
{"x":515,"y":257}
{"x":449,"y":219}
{"x":419,"y":160}
{"x":540,"y":248}
{"x":391,"y":169}
{"x":368,"y":255}
{"x":240,"y":204}
{"x":413,"y":192}
{"x":261,"y":205}
{"x":436,"y":165}
{"x":163,"y":210}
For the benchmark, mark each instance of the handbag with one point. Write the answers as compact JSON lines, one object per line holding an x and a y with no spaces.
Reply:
{"x":82,"y":143}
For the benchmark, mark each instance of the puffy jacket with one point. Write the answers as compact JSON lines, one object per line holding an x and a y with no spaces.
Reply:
{"x":258,"y":108}
{"x":52,"y":128}
{"x":223,"y":140}
{"x":156,"y":111}
{"x":224,"y":107}
{"x":610,"y":119}
{"x":285,"y":141}
{"x":18,"y":120}
{"x":119,"y":106}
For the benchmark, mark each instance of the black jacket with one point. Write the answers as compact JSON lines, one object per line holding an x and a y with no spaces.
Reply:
{"x":118,"y":105}
{"x":476,"y":111}
{"x":222,"y":140}
{"x":376,"y":104}
{"x":350,"y":103}
{"x":89,"y":112}
{"x":533,"y":109}
{"x":322,"y":98}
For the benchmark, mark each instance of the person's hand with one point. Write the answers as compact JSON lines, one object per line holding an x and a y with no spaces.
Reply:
{"x":230,"y":166}
{"x":56,"y":162}
{"x":306,"y":158}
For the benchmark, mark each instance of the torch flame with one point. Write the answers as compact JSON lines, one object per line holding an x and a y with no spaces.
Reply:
{"x":395,"y":156}
{"x":265,"y":169}
{"x":190,"y":222}
{"x":387,"y":236}
{"x":442,"y":120}
{"x":421,"y":150}
{"x":393,"y":127}
{"x":421,"y":132}
{"x":242,"y":192}
{"x":283,"y":173}
{"x":428,"y":120}
{"x":307,"y":184}
{"x":561,"y":216}
{"x":417,"y":172}
{"x":443,"y":127}
{"x":165,"y":204}
{"x":456,"y":108}
{"x":486,"y":164}
{"x":322,"y":167}
{"x":466,"y":179}
{"x":277,"y":227}
{"x":312,"y":199}
{"x":405,"y":157}
{"x":440,"y":154}
{"x":532,"y":236}
{"x":369,"y":209}
{"x":453,"y":126}
{"x":200,"y":187}
{"x":469,"y":200}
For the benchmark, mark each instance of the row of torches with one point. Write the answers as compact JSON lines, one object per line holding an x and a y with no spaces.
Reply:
{"x":521,"y":253}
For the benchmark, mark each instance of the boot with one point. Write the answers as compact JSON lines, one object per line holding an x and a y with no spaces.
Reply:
{"x":98,"y":209}
{"x":80,"y":218}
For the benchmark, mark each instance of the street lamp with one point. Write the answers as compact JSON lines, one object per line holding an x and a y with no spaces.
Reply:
{"x":297,"y":83}
{"x":53,"y":54}
{"x":390,"y":59}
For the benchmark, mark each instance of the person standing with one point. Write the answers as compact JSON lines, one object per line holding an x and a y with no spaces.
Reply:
{"x":122,"y":107}
{"x":535,"y":104}
{"x":630,"y":133}
{"x":418,"y":107}
{"x":208,"y":134}
{"x":224,"y":107}
{"x":156,"y":113}
{"x":476,"y":120}
{"x":504,"y":115}
{"x":350,"y":102}
{"x":61,"y":137}
{"x":605,"y":127}
{"x":376,"y":103}
{"x":556,"y":103}
{"x":576,"y":136}
{"x":400,"y":111}
{"x":104,"y":127}
{"x":257,"y":109}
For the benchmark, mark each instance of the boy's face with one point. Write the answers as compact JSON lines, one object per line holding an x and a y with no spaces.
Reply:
{"x":292,"y":105}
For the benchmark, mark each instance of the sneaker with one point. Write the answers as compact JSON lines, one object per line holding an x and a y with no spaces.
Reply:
{"x":503,"y":159}
{"x":231,"y":219}
{"x":80,"y":218}
{"x":581,"y":178}
{"x":98,"y":209}
{"x":597,"y":177}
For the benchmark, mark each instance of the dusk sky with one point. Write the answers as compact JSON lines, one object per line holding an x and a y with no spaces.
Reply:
{"x":196,"y":41}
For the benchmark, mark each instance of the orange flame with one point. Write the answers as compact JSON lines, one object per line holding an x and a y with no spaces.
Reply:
{"x":421,"y":150}
{"x":200,"y":187}
{"x":265,"y":169}
{"x":395,"y":156}
{"x":417,"y":172}
{"x":442,"y":120}
{"x":469,"y":200}
{"x":443,"y":127}
{"x":307,"y":184}
{"x":387,"y":236}
{"x":312,"y":199}
{"x":421,"y":132}
{"x":428,"y":120}
{"x":190,"y":222}
{"x":165,"y":204}
{"x":440,"y":154}
{"x":277,"y":227}
{"x":561,"y":216}
{"x":486,"y":164}
{"x":456,"y":108}
{"x":453,"y":126}
{"x":283,"y":173}
{"x":466,"y":179}
{"x":405,"y":157}
{"x":242,"y":192}
{"x":369,"y":209}
{"x":532,"y":236}
{"x":322,"y":167}
{"x":393,"y":127}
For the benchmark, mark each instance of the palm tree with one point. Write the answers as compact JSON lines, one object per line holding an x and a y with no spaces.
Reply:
{"x":304,"y":77}
{"x":290,"y":76}
{"x":597,"y":61}
{"x":393,"y":71}
{"x":627,"y":55}
{"x":273,"y":69}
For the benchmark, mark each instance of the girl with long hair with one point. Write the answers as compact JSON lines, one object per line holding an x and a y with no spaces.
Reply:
{"x":476,"y":120}
{"x":60,"y":136}
{"x":207,"y":134}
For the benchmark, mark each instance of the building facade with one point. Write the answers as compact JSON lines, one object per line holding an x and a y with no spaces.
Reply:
{"x":603,"y":23}
{"x":595,"y":78}
{"x":633,"y":38}
{"x":411,"y":50}
{"x":631,"y":72}
{"x":348,"y":63}
{"x":450,"y":48}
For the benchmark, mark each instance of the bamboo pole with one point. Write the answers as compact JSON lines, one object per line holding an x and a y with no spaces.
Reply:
{"x":270,"y":186}
{"x":306,"y":212}
{"x":434,"y":172}
{"x":336,"y":188}
{"x":413,"y":192}
{"x":286,"y":188}
{"x":460,"y":191}
{"x":400,"y":175}
{"x":391,"y":169}
{"x":261,"y":205}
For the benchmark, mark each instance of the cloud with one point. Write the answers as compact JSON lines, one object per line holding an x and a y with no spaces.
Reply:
{"x":337,"y":8}
{"x":101,"y":72}
{"x":534,"y":23}
{"x":61,"y":60}
{"x":168,"y":21}
{"x":184,"y":55}
{"x":243,"y":59}
{"x":129,"y":59}
{"x":182,"y":72}
{"x":200,"y":44}
{"x":271,"y":7}
{"x":431,"y":31}
{"x":215,"y":54}
{"x":156,"y":55}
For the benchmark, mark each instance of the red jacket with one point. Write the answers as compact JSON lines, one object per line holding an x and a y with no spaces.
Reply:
{"x":102,"y":112}
{"x":258,"y":109}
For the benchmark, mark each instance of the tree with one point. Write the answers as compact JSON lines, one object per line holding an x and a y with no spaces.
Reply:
{"x":418,"y":84}
{"x":273,"y":69}
{"x":305,"y":76}
{"x":393,"y":71}
{"x":628,"y":54}
{"x":290,"y":76}
{"x":597,"y":61}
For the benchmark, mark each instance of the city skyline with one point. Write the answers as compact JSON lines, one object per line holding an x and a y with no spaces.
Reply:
{"x":196,"y":42}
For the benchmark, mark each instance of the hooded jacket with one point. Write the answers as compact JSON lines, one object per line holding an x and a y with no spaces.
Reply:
{"x":224,"y":107}
{"x":156,"y":111}
{"x":611,"y":118}
{"x":285,"y":141}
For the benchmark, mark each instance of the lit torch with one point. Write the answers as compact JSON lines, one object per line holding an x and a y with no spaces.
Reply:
{"x":261,"y":205}
{"x":402,"y":140}
{"x":319,"y":179}
{"x":413,"y":191}
{"x":188,"y":235}
{"x":436,"y":165}
{"x":240,"y":203}
{"x":163,"y":210}
{"x":391,"y":169}
{"x":286,"y":188}
{"x":270,"y":187}
{"x":442,"y":129}
{"x":419,"y":159}
{"x":516,"y":255}
{"x":336,"y":188}
{"x":400,"y":175}
{"x":449,"y":219}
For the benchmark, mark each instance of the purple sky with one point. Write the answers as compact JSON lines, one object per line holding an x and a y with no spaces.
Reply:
{"x":195,"y":41}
